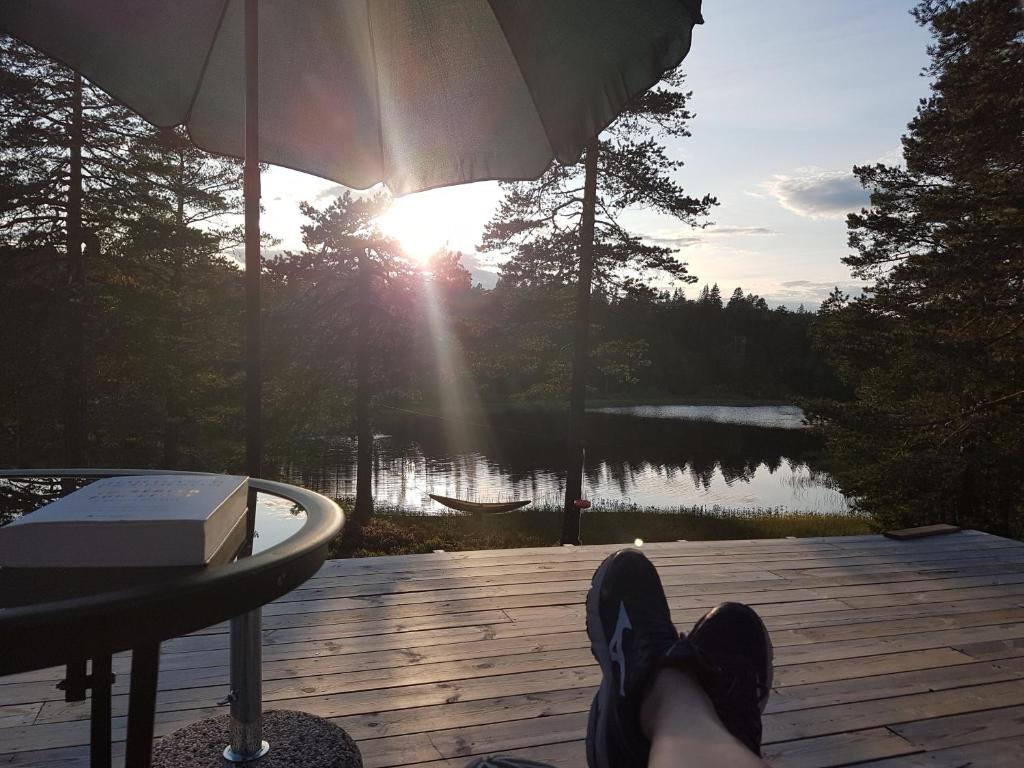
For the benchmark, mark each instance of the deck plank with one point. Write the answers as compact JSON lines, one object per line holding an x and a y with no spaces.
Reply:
{"x":1003,"y":753}
{"x":282,"y":616}
{"x":838,"y":749}
{"x":888,"y":653}
{"x":369,"y":654}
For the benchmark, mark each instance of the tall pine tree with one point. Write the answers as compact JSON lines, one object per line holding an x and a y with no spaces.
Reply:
{"x":62,"y":194}
{"x":567,"y":228}
{"x":934,"y":351}
{"x":111,"y":233}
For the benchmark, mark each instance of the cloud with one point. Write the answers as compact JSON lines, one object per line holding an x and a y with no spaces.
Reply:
{"x":810,"y":293}
{"x":695,"y":237}
{"x":681,"y":241}
{"x":740,"y":231}
{"x":335,"y":191}
{"x":817,"y":194}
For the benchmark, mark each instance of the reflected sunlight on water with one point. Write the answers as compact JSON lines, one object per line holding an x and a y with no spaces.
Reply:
{"x":773,"y":416}
{"x":664,"y":460}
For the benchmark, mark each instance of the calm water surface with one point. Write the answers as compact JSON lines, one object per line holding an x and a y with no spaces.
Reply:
{"x":665,"y":456}
{"x":768,"y":416}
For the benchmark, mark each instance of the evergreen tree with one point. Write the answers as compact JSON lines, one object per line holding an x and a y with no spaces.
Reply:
{"x":537,"y":224}
{"x":342,"y":304}
{"x":110,"y":230}
{"x":566,"y":228}
{"x":181,"y":305}
{"x":62,"y":192}
{"x":934,"y":352}
{"x":715,"y":297}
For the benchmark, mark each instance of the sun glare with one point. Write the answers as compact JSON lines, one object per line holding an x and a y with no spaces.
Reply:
{"x":449,"y":217}
{"x":422,"y":224}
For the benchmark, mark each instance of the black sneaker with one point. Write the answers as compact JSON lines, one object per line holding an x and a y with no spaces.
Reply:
{"x":736,"y":668}
{"x":631,"y":633}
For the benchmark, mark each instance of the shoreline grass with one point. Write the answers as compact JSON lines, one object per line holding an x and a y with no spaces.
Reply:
{"x":397,"y":532}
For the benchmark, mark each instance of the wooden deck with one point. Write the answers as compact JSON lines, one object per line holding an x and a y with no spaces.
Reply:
{"x":888,"y":653}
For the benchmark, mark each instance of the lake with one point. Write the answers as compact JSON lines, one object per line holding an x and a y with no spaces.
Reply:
{"x":708,"y":456}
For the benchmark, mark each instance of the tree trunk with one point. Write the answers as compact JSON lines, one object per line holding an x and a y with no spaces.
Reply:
{"x":364,"y":431}
{"x":173,"y":381}
{"x":74,"y":373}
{"x":581,"y":353}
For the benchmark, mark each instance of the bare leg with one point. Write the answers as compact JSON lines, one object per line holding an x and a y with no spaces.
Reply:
{"x":680,"y":721}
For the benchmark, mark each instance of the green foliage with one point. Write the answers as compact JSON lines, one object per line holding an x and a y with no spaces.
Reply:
{"x":160,"y":301}
{"x":313,"y":299}
{"x":35,"y":103}
{"x":933,"y":353}
{"x":619,"y":361}
{"x":395,"y":533}
{"x":537,"y":223}
{"x":645,"y":343}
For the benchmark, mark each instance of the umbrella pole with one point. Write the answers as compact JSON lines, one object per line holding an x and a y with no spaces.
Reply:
{"x":581,"y":352}
{"x":246,"y":640}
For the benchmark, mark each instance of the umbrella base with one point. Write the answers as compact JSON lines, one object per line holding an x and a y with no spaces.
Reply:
{"x":297,"y":740}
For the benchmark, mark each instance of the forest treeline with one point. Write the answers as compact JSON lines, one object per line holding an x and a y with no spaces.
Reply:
{"x":645,"y":344}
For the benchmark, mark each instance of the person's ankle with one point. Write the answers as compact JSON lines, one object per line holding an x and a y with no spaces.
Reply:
{"x":672,"y":689}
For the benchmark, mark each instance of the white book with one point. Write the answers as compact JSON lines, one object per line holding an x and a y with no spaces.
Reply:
{"x":139,"y":520}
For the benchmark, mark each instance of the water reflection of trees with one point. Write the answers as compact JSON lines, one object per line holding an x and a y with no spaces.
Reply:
{"x":22,"y":495}
{"x":700,"y":449}
{"x":525,"y":451}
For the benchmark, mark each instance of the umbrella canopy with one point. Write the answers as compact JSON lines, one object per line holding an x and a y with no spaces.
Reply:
{"x":413,"y":93}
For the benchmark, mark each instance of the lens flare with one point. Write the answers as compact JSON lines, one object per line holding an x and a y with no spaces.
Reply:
{"x":462,"y":416}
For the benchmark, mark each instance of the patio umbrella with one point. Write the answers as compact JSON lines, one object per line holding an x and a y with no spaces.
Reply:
{"x":411,"y":93}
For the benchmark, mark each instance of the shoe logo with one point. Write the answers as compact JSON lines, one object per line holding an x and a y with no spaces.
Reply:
{"x":615,"y":646}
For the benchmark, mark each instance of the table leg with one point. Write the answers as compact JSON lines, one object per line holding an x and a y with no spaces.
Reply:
{"x":247,"y":742}
{"x":99,"y":721}
{"x":142,"y":705}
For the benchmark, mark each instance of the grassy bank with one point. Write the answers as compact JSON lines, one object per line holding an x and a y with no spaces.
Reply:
{"x":395,"y":533}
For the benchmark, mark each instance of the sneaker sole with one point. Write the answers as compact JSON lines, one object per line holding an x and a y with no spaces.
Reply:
{"x":596,"y":722}
{"x":768,"y":645}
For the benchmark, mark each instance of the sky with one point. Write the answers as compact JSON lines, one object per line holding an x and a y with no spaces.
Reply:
{"x":788,"y":96}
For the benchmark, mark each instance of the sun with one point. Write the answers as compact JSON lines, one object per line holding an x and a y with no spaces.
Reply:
{"x":448,"y":217}
{"x":422,"y":223}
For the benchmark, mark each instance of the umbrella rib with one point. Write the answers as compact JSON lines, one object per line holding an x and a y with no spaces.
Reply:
{"x":376,"y":88}
{"x":206,"y":62}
